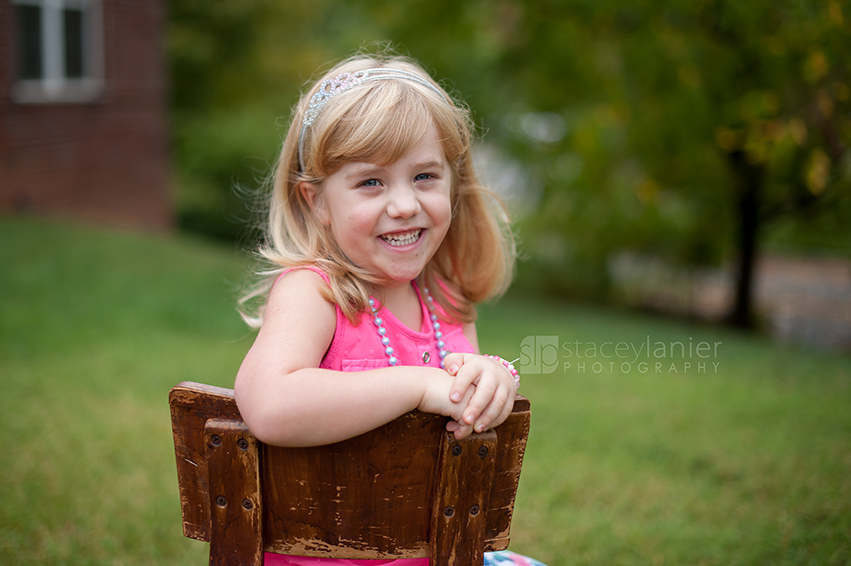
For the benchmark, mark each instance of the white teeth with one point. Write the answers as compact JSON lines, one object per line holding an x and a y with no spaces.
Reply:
{"x":404,"y":239}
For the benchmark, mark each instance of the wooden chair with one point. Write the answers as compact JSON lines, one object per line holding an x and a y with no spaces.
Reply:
{"x":404,"y":490}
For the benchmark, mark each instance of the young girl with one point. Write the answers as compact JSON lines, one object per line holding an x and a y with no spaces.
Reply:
{"x":381,"y":241}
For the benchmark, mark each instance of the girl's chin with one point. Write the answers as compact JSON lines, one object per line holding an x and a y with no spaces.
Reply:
{"x":399,"y":277}
{"x":395,"y":269}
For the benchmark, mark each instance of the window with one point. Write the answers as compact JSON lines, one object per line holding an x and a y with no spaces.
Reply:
{"x":59,"y":51}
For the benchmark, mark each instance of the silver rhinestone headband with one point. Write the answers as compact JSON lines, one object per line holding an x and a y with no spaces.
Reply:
{"x":347,"y":81}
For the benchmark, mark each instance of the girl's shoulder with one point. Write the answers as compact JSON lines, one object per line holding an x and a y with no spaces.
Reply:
{"x":297,"y":305}
{"x":297,"y":291}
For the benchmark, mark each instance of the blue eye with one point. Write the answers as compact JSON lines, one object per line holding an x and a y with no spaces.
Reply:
{"x":370,"y":183}
{"x":423,"y":177}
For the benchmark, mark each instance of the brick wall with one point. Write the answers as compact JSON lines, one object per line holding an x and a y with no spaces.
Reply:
{"x":105,"y":161}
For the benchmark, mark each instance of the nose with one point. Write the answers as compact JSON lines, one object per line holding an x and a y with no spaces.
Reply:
{"x":403,"y":202}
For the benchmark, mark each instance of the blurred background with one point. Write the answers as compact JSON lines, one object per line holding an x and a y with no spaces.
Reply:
{"x":688,"y":158}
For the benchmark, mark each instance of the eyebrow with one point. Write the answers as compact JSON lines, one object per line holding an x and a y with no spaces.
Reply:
{"x":369,"y":170}
{"x":429,"y":165}
{"x":365,"y":171}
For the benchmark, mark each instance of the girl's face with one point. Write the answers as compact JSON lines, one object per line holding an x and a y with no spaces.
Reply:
{"x":388,"y":220}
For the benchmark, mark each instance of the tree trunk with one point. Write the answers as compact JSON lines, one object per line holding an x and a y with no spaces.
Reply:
{"x":748,"y":178}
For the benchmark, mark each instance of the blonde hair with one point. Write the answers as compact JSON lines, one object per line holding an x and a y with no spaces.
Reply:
{"x":378,"y":122}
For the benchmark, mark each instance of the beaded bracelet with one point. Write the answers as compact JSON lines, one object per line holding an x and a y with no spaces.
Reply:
{"x":510,"y":367}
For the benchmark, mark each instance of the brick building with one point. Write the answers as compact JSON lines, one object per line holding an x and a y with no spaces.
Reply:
{"x":83,"y":125}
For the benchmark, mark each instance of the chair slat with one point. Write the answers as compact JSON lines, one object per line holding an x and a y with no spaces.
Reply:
{"x":236,"y":530}
{"x":465,"y":477}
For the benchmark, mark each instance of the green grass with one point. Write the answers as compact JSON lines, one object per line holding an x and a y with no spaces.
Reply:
{"x":747,"y":465}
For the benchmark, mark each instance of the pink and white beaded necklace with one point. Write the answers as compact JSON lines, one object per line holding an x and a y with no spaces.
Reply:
{"x":385,"y":340}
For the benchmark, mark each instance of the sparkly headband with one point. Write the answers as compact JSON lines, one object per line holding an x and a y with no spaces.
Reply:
{"x":347,"y":81}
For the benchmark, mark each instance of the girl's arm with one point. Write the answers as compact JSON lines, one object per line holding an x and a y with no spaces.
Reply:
{"x":284,"y":397}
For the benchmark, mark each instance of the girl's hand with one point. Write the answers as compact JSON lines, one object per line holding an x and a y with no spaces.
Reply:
{"x":494,"y":393}
{"x":436,"y":400}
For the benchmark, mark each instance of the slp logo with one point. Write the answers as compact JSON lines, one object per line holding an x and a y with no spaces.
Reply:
{"x":539,"y":354}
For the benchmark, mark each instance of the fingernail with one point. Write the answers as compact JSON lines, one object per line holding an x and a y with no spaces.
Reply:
{"x":469,"y":419}
{"x":456,"y":397}
{"x":480,"y":428}
{"x":453,"y":368}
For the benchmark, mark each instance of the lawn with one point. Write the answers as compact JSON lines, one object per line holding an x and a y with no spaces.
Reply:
{"x":637,"y":455}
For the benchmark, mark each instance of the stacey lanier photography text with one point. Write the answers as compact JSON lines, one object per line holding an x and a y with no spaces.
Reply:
{"x":547,"y":354}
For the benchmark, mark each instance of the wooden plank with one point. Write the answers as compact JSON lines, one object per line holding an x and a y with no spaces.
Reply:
{"x":512,"y":435}
{"x":191,"y":405}
{"x":236,"y":530}
{"x":366,"y":497}
{"x":465,"y":477}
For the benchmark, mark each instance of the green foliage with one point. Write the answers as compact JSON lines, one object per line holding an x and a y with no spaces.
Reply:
{"x":748,"y":464}
{"x":638,"y":124}
{"x":225,"y":157}
{"x":663,"y":94}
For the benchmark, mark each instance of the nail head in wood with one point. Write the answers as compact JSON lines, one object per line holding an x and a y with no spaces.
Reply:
{"x":242,"y":443}
{"x":216,"y":440}
{"x":247,"y":504}
{"x":456,"y":450}
{"x":483,"y":451}
{"x":449,"y":511}
{"x":221,"y":501}
{"x":474,"y":510}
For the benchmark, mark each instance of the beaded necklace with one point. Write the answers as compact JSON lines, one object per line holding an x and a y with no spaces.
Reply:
{"x":385,"y":340}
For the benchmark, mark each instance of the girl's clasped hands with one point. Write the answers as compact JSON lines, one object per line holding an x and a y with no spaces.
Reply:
{"x":482,"y":394}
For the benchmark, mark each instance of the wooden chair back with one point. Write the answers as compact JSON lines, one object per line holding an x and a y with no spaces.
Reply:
{"x":404,"y":490}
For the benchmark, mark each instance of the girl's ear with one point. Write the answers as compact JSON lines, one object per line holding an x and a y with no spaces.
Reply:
{"x":316,"y":202}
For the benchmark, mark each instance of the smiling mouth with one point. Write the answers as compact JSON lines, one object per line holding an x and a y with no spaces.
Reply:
{"x":403,"y":238}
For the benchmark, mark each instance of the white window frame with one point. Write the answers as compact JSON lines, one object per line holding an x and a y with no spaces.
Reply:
{"x":53,"y":86}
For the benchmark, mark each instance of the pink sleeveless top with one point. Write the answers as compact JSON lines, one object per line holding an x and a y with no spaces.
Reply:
{"x":358,"y":348}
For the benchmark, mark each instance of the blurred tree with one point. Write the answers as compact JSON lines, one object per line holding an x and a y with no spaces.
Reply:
{"x":211,"y":47}
{"x":687,"y":121}
{"x":769,"y":84}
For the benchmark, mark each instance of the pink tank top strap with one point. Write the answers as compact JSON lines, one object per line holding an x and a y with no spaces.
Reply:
{"x":312,"y":268}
